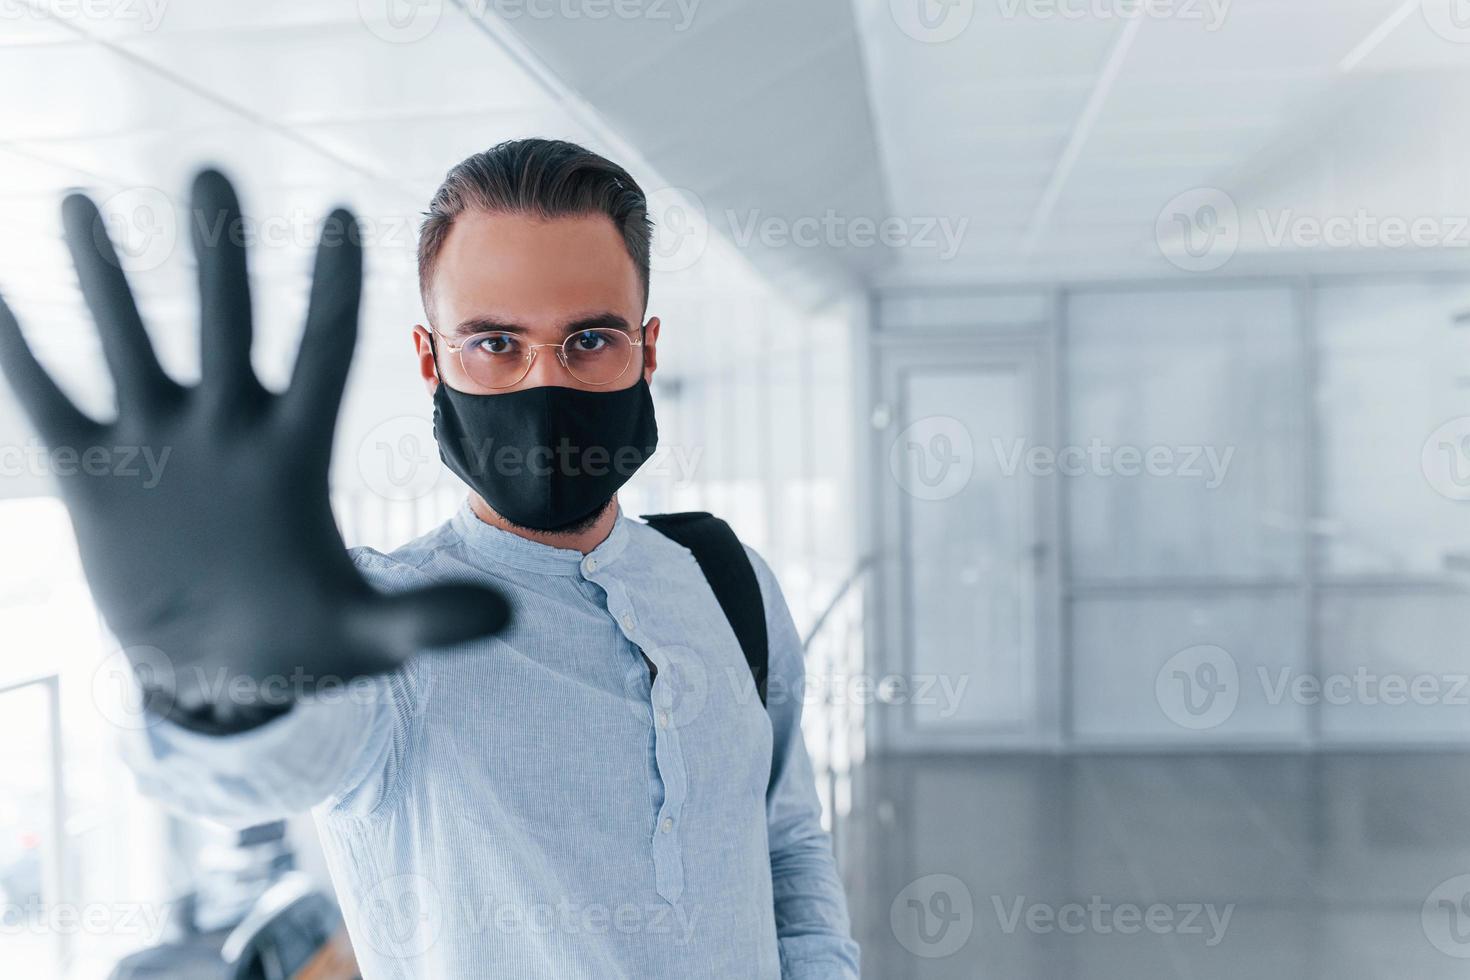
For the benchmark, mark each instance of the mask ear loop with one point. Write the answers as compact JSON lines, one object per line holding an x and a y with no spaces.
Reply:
{"x":434,"y":353}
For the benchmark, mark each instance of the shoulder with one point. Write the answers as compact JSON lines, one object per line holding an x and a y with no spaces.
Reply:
{"x":650,"y":541}
{"x":763,"y":573}
{"x":403,"y":567}
{"x":670,"y":554}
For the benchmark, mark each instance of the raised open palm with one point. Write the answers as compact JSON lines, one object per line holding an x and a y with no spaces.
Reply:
{"x":220,"y":565}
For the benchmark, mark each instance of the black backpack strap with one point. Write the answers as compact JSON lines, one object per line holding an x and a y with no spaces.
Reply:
{"x":731,"y":577}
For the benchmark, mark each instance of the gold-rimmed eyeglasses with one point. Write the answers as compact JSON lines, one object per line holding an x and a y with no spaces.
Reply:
{"x":500,"y":359}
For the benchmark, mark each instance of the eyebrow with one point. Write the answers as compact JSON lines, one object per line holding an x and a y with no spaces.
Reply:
{"x":594,"y":321}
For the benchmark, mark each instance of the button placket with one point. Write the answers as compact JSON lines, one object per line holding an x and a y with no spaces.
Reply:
{"x":673,"y":777}
{"x":668,"y":757}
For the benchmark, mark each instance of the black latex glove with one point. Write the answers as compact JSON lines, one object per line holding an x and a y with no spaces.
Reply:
{"x":232,"y":566}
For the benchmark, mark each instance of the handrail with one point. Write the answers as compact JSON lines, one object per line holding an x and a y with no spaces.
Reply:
{"x":858,"y":570}
{"x":53,"y":854}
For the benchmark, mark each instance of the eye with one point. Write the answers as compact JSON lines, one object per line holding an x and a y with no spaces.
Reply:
{"x":588,"y":341}
{"x":497,"y":344}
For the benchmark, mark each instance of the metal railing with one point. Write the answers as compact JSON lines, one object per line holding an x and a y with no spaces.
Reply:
{"x":53,"y":841}
{"x":834,"y":652}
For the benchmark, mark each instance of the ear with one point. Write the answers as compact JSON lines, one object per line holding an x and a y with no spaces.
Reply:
{"x":650,"y":348}
{"x":423,"y":345}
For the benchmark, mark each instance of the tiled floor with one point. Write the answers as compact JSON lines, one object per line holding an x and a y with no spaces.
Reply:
{"x":1195,"y":867}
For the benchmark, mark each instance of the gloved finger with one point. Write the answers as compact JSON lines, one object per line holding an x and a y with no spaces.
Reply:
{"x":439,"y":615}
{"x":224,"y":286}
{"x":322,"y":363}
{"x":140,"y":379}
{"x":50,"y":411}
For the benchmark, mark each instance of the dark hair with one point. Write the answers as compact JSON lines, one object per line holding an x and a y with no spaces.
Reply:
{"x":546,"y":178}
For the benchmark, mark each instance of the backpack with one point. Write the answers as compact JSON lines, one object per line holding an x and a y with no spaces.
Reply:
{"x":731,"y":577}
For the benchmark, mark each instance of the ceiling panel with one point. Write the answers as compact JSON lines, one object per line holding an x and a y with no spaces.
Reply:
{"x":1250,"y":96}
{"x":160,"y":18}
{"x":994,"y":45}
{"x":26,"y":25}
{"x":1255,"y":37}
{"x":1436,"y":37}
{"x":168,"y":159}
{"x":82,"y":89}
{"x":342,"y":71}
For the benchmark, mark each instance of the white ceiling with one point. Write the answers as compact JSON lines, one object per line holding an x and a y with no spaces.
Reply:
{"x":1063,"y":139}
{"x":1047,"y":138}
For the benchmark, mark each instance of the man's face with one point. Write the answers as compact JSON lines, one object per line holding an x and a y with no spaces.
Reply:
{"x":514,"y":279}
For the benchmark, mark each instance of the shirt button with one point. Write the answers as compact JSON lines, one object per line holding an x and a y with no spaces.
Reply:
{"x":667,"y":825}
{"x":589,"y":566}
{"x":628,"y":621}
{"x":663,"y":719}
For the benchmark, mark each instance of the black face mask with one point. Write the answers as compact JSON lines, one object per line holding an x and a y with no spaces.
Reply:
{"x":548,"y":457}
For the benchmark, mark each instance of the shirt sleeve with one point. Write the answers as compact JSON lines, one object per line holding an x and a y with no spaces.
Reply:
{"x":345,"y":748}
{"x":812,"y":926}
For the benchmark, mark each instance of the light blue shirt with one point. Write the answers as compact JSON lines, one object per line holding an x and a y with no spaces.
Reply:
{"x":531,"y":805}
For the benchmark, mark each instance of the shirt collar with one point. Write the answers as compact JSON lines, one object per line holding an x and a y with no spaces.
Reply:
{"x":503,"y":547}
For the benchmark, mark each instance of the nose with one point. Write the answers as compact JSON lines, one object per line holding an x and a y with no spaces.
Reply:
{"x":547,"y":369}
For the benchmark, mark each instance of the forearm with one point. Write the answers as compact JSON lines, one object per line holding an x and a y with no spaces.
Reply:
{"x":317,"y":750}
{"x":812,"y":926}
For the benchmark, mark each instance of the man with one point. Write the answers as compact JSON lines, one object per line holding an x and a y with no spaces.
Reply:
{"x":596,"y":790}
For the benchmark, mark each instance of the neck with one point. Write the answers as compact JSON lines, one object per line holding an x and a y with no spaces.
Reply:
{"x":584,"y":540}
